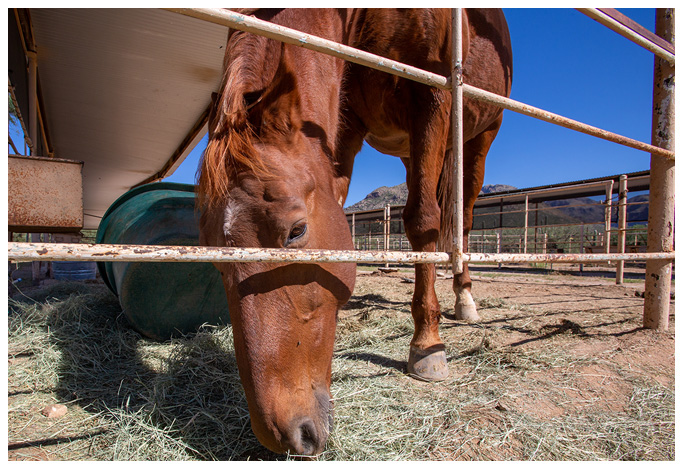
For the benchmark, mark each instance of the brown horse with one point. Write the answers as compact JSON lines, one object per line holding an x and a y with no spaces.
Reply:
{"x":286,"y":127}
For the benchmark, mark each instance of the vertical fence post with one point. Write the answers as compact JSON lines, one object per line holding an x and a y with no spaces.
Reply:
{"x":456,"y":117}
{"x":607,"y":240}
{"x":545,"y":243}
{"x":621,"y":239}
{"x":499,"y":241}
{"x":581,"y":244}
{"x":536,"y":229}
{"x":660,"y":224}
{"x":387,"y":221}
{"x":389,"y":226}
{"x":353,"y":230}
{"x":526,"y":221}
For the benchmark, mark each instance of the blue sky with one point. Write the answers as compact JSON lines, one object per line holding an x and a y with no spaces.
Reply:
{"x":566,"y":63}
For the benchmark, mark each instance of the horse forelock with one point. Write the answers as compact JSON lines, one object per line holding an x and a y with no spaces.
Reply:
{"x":231,"y":143}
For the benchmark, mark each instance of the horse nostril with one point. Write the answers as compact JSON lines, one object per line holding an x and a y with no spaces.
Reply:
{"x":309,"y":438}
{"x":305,"y":439}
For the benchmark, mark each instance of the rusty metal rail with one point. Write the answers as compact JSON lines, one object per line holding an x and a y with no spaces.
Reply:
{"x":531,"y":111}
{"x":29,"y":251}
{"x":139,"y":253}
{"x":308,"y":41}
{"x":623,"y":26}
{"x":22,"y":252}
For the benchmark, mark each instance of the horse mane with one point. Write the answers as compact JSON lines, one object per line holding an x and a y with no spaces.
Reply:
{"x":231,"y":135}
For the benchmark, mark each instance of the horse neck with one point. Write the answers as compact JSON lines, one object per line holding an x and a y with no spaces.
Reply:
{"x":319,"y":85}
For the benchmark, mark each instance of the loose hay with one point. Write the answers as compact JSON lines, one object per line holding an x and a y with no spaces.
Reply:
{"x":134,"y":399}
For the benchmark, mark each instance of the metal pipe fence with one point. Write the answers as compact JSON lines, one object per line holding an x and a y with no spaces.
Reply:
{"x":460,"y":90}
{"x":144,"y":253}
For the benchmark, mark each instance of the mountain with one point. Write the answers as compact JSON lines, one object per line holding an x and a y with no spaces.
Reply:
{"x":398,"y":195}
{"x":586,"y":210}
{"x":583,"y":209}
{"x":491,"y":188}
{"x":377,"y":199}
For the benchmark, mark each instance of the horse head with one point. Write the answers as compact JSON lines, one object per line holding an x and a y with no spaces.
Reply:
{"x":265,"y":183}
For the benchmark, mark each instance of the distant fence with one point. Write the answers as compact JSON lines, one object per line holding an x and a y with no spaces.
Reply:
{"x":580,"y":217}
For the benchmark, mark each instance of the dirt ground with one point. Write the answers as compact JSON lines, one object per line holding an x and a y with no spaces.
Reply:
{"x":585,"y":313}
{"x":606,"y":360}
{"x":552,"y":348}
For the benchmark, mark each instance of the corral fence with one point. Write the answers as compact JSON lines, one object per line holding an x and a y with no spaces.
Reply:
{"x":587,"y":216}
{"x":660,"y":253}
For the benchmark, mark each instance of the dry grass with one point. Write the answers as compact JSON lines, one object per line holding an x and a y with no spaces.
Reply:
{"x":133,"y":399}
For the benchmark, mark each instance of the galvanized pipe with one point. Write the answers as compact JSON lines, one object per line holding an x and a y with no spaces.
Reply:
{"x":21,"y":252}
{"x":621,"y":238}
{"x":30,"y":251}
{"x":138,"y":253}
{"x":628,"y":33}
{"x":660,"y":225}
{"x":512,"y":105}
{"x":308,"y":41}
{"x":458,"y":139}
{"x":526,"y":222}
{"x":608,"y":215}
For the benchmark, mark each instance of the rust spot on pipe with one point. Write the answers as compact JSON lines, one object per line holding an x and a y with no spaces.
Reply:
{"x":106,"y":253}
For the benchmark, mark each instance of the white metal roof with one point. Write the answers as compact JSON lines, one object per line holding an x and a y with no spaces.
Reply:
{"x":122,"y":89}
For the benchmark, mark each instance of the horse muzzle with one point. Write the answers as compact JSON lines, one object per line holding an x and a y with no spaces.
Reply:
{"x":304,"y":433}
{"x":306,"y":437}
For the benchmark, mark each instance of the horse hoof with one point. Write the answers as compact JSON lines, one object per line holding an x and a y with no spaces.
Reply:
{"x":466,"y":312}
{"x":428,"y":365}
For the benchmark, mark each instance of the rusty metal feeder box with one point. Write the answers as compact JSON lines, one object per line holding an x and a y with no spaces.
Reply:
{"x":45,"y":194}
{"x":161,"y":299}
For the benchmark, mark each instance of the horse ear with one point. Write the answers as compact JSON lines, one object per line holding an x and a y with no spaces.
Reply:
{"x":283,"y":110}
{"x":212,"y":114}
{"x":341,"y":190}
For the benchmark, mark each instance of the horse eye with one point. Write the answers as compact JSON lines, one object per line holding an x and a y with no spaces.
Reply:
{"x":297,"y":232}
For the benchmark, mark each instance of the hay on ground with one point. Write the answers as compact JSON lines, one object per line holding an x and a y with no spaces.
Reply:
{"x":133,"y":399}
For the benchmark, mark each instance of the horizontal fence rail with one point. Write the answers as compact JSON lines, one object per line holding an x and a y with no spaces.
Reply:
{"x":137,"y":253}
{"x":547,"y":116}
{"x":250,"y":24}
{"x":661,"y":48}
{"x":36,"y":251}
{"x":291,"y":36}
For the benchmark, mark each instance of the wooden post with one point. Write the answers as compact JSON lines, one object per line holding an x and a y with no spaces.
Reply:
{"x":621,"y":239}
{"x":660,"y":225}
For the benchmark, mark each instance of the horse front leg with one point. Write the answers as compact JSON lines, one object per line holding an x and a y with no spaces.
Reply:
{"x":475,"y":152}
{"x":421,"y":216}
{"x":427,"y":357}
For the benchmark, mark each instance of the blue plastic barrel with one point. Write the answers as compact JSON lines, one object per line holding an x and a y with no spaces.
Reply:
{"x":67,"y":270}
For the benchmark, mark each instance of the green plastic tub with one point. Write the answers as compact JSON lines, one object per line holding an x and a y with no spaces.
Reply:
{"x":161,"y":299}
